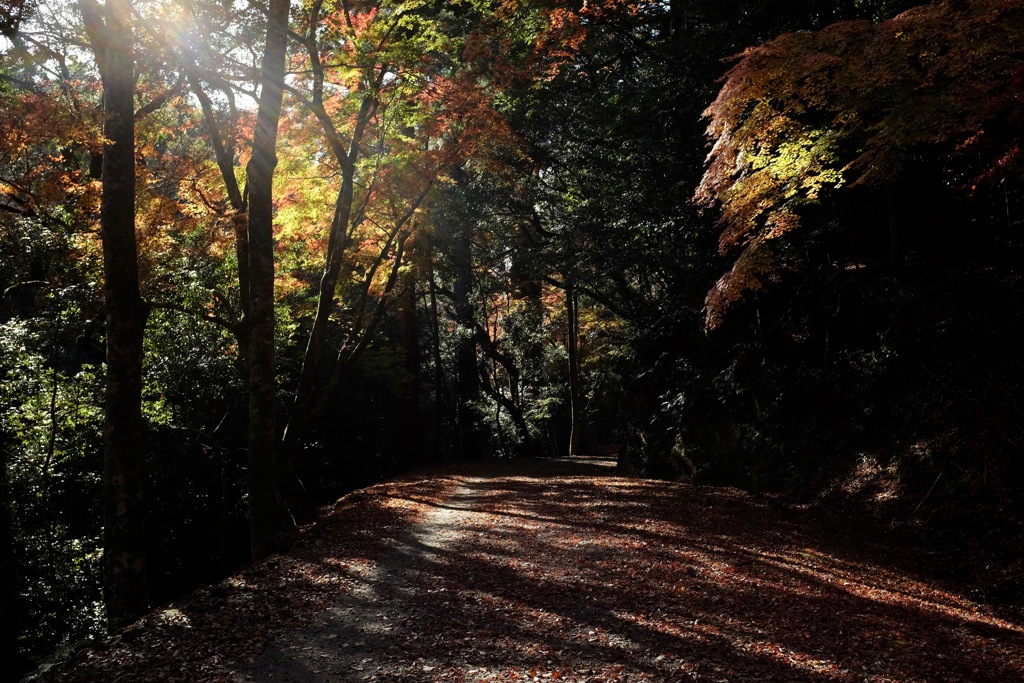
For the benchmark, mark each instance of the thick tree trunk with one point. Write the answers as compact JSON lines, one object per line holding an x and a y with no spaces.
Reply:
{"x":264,"y":516}
{"x":573,"y":348}
{"x":125,"y":588}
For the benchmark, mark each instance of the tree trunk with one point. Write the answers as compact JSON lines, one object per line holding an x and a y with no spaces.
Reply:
{"x":298,"y":501}
{"x":239,"y":220}
{"x":677,"y":19}
{"x":412,"y":451}
{"x":263,"y":508}
{"x":573,"y":348}
{"x":442,"y":402}
{"x":125,"y":588}
{"x":530,"y":446}
{"x":298,"y":420}
{"x":467,"y":376}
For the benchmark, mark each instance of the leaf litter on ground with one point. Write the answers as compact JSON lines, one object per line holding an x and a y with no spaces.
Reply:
{"x":537,"y":570}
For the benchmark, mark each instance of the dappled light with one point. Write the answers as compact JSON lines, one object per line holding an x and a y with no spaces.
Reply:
{"x":584,"y":340}
{"x":531,"y":571}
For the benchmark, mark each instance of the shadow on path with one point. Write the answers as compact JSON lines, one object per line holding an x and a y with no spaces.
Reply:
{"x":560,"y":570}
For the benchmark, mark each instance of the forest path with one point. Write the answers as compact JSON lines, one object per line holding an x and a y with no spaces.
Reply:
{"x":563,"y":570}
{"x":559,"y":570}
{"x":365,"y":631}
{"x":371,"y":632}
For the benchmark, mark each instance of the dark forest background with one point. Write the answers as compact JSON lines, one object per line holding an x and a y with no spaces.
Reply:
{"x":541,"y":258}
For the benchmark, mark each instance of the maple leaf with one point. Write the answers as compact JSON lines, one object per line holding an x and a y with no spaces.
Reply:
{"x":810,"y":114}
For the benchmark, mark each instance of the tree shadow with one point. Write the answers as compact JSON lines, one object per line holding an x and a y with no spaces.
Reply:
{"x":699,"y":578}
{"x":522,"y":571}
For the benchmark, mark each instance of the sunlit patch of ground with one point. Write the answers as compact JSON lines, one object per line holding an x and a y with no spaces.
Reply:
{"x":622,"y":579}
{"x":531,"y":571}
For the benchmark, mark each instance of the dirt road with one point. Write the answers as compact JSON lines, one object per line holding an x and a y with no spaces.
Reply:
{"x":562,"y":571}
{"x":557,"y":570}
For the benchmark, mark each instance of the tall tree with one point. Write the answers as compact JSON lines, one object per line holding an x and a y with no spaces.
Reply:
{"x":126,"y":592}
{"x":467,"y":380}
{"x":409,"y":340}
{"x":394,"y":118}
{"x":263,"y":508}
{"x":367,"y":42}
{"x":573,"y":349}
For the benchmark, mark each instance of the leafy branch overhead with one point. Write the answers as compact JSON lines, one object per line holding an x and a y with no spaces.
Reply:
{"x":858,"y":104}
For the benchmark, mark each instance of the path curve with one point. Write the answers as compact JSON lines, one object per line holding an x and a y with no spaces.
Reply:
{"x":563,"y":571}
{"x":358,"y":638}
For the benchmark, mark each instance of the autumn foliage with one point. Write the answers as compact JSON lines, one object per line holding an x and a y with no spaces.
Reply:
{"x":490,"y":229}
{"x":857,"y":104}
